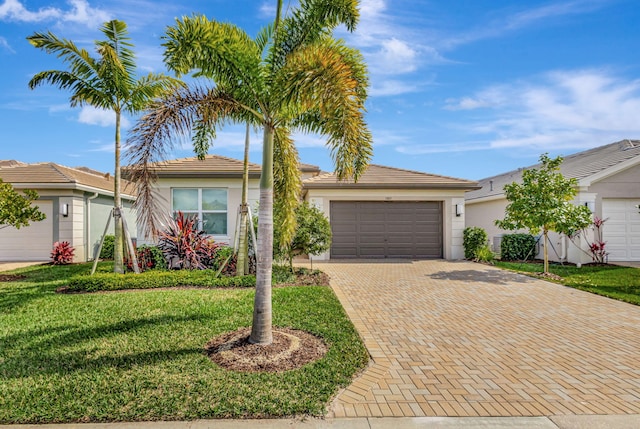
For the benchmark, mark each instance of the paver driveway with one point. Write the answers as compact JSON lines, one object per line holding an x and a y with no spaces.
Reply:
{"x":463,"y":339}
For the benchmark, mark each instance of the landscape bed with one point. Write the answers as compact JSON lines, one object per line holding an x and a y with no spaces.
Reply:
{"x":141,"y":355}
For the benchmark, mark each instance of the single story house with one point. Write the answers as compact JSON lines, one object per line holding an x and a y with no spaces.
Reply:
{"x":77,"y":203}
{"x":608,"y":183}
{"x":388,"y":213}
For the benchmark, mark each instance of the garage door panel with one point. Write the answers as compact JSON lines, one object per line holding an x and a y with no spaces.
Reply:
{"x":621,"y":230}
{"x":366,"y":239}
{"x":32,"y":243}
{"x":372,"y":227}
{"x":387,"y":229}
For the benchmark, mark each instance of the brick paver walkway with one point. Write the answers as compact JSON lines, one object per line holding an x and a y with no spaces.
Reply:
{"x":463,"y":339}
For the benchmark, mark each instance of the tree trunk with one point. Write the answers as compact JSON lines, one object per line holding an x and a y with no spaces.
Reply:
{"x":242,"y":267}
{"x":261,"y":327}
{"x":118,"y":253}
{"x":546,"y":251}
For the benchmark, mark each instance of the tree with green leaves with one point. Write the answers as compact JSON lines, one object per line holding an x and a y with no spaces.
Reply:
{"x":293,"y":76}
{"x":312,"y":236}
{"x":16,"y":209}
{"x":108,"y":82}
{"x":542,"y":203}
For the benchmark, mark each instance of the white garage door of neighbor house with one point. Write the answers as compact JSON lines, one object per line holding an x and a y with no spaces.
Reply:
{"x":31,"y":243}
{"x":621,"y":231}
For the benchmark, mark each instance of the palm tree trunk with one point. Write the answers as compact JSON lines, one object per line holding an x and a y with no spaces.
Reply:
{"x":242,"y":267}
{"x":118,"y":256}
{"x":261,"y":327}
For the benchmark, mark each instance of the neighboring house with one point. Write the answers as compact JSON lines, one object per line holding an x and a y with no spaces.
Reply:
{"x":389,"y":213}
{"x":608,"y":183}
{"x":77,"y":203}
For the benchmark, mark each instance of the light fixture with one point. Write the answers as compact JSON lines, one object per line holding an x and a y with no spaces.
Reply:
{"x":64,"y":209}
{"x":638,"y":207}
{"x":459,"y":209}
{"x":591,"y":205}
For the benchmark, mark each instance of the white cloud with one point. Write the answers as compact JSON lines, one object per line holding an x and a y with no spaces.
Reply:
{"x":395,"y":57}
{"x":13,"y":10}
{"x":519,"y":20}
{"x":104,"y":118}
{"x":563,"y":109}
{"x":443,"y":148}
{"x":5,"y":44}
{"x":392,"y":87}
{"x":80,"y":13}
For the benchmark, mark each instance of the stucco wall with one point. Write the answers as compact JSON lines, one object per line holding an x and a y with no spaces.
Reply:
{"x":452,"y":225}
{"x":234,"y":198}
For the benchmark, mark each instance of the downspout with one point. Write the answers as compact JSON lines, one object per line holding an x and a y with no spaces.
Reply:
{"x":88,"y":224}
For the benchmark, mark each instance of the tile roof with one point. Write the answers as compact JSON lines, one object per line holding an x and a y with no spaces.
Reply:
{"x":579,"y":165}
{"x":379,"y":176}
{"x":9,"y":163}
{"x":48,"y":174}
{"x":211,"y":165}
{"x":309,"y":168}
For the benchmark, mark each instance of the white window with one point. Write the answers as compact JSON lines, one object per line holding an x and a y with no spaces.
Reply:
{"x":208,"y":204}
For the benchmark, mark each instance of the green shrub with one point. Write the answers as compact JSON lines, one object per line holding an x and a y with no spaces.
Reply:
{"x":107,"y":247}
{"x":156,"y":279}
{"x":149,"y":258}
{"x":473,"y":239}
{"x":282,"y":274}
{"x":485,"y":254}
{"x":517,"y":247}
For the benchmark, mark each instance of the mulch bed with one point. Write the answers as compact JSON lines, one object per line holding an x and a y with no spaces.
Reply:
{"x":291,"y":349}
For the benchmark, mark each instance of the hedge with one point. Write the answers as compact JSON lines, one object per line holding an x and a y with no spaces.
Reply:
{"x":474,"y":238}
{"x":517,"y":247}
{"x":155,"y":279}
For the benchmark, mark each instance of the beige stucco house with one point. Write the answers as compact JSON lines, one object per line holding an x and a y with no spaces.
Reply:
{"x":608,"y":183}
{"x":389,"y":213}
{"x":77,"y":203}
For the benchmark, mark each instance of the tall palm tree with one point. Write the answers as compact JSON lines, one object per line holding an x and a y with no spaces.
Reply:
{"x":108,"y":82}
{"x":293,"y":76}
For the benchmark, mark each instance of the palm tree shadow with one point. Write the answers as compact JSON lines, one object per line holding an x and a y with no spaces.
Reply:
{"x":492,"y":276}
{"x":46,"y":350}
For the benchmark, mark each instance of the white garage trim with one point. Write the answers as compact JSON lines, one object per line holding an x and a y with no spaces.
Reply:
{"x":621,"y":230}
{"x":32,"y":243}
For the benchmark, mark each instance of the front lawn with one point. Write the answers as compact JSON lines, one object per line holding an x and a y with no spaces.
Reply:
{"x":621,"y":283}
{"x":139,"y":355}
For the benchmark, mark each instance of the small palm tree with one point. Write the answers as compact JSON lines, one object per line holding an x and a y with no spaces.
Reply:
{"x":108,"y":82}
{"x":293,"y":76}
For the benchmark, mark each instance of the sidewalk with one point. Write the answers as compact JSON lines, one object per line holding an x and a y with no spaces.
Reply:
{"x":553,"y":422}
{"x":8,"y":266}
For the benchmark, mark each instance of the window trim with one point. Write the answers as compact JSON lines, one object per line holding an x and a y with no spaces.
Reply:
{"x":200,"y":211}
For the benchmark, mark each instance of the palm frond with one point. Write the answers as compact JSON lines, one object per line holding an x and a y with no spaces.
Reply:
{"x":323,"y":89}
{"x":312,"y":20}
{"x":83,"y":66}
{"x":170,"y":120}
{"x":287,"y":182}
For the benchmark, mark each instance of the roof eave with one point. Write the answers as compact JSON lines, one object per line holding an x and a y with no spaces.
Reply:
{"x":459,"y":186}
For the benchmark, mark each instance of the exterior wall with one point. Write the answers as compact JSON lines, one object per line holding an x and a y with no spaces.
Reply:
{"x":621,"y":185}
{"x":234,"y":199}
{"x":98,"y":211}
{"x":452,"y":225}
{"x":484,"y":215}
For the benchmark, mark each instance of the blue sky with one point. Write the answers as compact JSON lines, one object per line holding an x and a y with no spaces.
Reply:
{"x":464,"y":88}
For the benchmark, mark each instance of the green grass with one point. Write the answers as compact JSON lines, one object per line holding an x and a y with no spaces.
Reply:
{"x":621,"y":283}
{"x":139,"y":355}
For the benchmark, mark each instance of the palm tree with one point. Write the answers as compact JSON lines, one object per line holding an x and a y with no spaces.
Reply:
{"x":108,"y":82}
{"x":293,"y":76}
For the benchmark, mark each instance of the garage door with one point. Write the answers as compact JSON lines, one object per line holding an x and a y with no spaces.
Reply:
{"x":621,"y":231}
{"x":386,"y":229}
{"x":32,"y":243}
